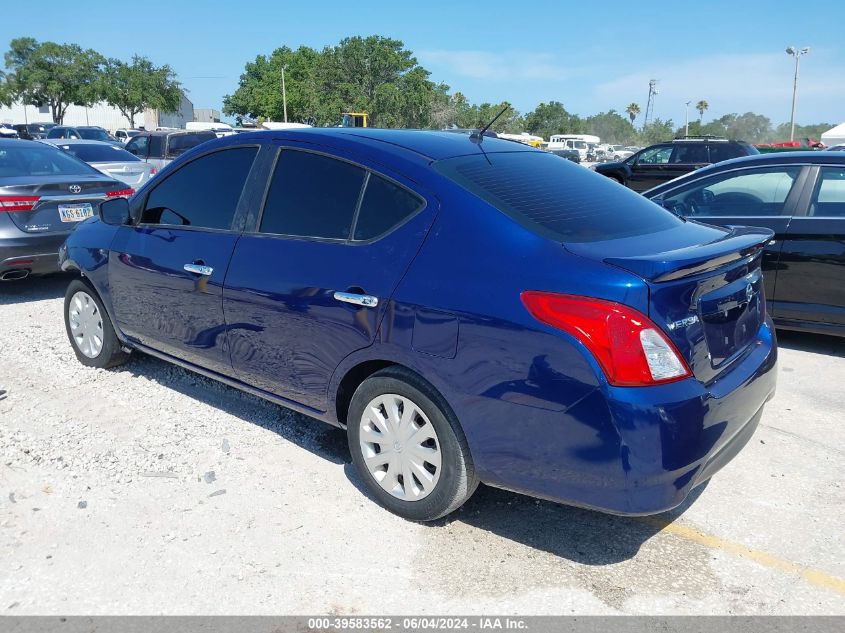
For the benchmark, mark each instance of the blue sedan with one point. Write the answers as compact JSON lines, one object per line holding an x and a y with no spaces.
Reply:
{"x":468,"y":309}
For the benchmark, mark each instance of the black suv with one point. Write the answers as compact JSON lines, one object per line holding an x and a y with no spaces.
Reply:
{"x":660,"y":163}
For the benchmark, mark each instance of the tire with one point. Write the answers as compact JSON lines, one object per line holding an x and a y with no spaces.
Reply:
{"x":90,"y":329}
{"x":448,"y":483}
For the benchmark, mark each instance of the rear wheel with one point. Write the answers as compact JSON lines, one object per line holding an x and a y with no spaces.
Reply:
{"x":407,"y":446}
{"x":89,"y":328}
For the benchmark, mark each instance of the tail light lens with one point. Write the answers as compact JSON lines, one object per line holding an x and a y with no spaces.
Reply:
{"x":120,"y":193}
{"x":629,"y":347}
{"x":17,"y":203}
{"x":153,"y":171}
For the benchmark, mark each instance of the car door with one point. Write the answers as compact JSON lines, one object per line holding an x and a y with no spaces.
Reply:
{"x":166,"y":272}
{"x":757,"y":196}
{"x":811,"y":275}
{"x":310,"y":281}
{"x":649,"y":168}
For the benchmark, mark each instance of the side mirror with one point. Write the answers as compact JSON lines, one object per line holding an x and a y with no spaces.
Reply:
{"x":115,"y":211}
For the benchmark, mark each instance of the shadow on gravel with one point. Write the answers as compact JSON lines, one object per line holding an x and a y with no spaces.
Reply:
{"x":321,"y":439}
{"x":33,"y":289}
{"x":815,"y":343}
{"x":582,"y":536}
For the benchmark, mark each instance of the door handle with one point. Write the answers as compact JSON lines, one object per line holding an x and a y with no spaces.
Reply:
{"x":199,"y":269}
{"x":368,"y":301}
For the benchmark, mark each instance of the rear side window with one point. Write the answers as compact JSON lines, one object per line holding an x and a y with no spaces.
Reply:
{"x":181,"y":143}
{"x":384,"y":206}
{"x":829,"y":195}
{"x":690,"y":153}
{"x":312,"y":196}
{"x":204,"y":193}
{"x":726,"y":151}
{"x":556,"y":198}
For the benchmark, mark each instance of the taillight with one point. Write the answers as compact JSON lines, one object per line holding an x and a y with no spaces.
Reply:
{"x":153,"y":171}
{"x":629,"y":347}
{"x":120,"y":193}
{"x":17,"y":203}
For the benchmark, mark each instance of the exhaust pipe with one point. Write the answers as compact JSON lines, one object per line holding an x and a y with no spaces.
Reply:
{"x":14,"y":275}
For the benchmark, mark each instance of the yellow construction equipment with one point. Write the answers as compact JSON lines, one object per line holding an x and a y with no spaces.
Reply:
{"x":355,"y":119}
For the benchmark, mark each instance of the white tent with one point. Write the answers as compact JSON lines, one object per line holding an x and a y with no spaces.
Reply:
{"x":834,"y":136}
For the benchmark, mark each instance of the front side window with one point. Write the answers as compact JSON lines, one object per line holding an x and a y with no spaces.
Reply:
{"x":755,"y":192}
{"x":138,"y":146}
{"x":655,"y":155}
{"x":204,"y":193}
{"x":829,"y":195}
{"x":312,"y":195}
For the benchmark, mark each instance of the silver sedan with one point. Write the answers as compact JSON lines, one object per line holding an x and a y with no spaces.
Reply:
{"x":111,"y":160}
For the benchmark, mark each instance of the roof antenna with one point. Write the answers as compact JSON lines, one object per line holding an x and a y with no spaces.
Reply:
{"x":478,"y":135}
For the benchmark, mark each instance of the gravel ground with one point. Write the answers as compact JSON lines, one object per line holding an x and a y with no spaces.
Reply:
{"x":148,"y":489}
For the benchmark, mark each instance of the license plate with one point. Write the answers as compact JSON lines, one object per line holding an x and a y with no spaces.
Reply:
{"x":75,"y":212}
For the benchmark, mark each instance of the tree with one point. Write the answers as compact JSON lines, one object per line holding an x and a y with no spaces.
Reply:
{"x":134,"y":87}
{"x":551,"y":118}
{"x":611,"y":127}
{"x":701,"y":106}
{"x":751,"y":127}
{"x":375,"y":74}
{"x":633,"y":110}
{"x":57,"y":75}
{"x":656,"y":131}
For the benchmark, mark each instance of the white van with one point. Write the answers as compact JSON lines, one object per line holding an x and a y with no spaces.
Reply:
{"x":220,"y":129}
{"x":580,"y":142}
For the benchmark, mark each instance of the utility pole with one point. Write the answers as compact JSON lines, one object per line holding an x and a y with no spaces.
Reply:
{"x":284,"y":95}
{"x":686,"y":119}
{"x":796,"y":53}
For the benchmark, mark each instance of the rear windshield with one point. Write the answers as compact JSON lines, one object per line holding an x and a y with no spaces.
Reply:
{"x":33,"y":159}
{"x":556,"y":198}
{"x":98,"y":153}
{"x":93,"y":134}
{"x":181,"y":143}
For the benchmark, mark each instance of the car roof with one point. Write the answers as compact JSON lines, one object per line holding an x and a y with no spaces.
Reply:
{"x":75,"y":141}
{"x":427,"y":144}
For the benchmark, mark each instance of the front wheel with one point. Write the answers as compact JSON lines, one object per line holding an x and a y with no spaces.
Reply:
{"x":408,"y":447}
{"x":90,"y":329}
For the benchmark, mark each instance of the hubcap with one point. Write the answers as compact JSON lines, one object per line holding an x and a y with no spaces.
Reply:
{"x":86,"y":324}
{"x":400,"y":447}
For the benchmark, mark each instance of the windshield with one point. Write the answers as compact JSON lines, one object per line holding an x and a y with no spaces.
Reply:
{"x":39,"y":160}
{"x":93,"y":134}
{"x":555,"y":198}
{"x":98,"y":153}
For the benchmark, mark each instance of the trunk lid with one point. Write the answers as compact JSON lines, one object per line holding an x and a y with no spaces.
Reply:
{"x":53,"y":192}
{"x":705,"y":287}
{"x":134,"y":173}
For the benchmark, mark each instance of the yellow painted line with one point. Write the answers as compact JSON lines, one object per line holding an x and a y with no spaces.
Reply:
{"x":813,"y":576}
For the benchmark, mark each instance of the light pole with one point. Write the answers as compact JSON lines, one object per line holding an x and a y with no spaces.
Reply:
{"x":796,"y":53}
{"x":686,"y":118}
{"x":284,"y":95}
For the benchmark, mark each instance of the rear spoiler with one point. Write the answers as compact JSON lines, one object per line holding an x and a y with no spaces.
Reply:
{"x":739,"y":243}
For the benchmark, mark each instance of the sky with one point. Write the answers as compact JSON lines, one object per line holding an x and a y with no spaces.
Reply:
{"x":591,"y":55}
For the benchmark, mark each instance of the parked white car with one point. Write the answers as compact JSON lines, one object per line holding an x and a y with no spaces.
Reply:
{"x":125,"y":134}
{"x":617,"y":152}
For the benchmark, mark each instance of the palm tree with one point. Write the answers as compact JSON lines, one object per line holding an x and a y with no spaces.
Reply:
{"x":633,"y":110}
{"x":701,"y":106}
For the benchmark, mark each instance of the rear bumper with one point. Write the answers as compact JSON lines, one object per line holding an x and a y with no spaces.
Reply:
{"x":39,"y":254}
{"x":649,"y":447}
